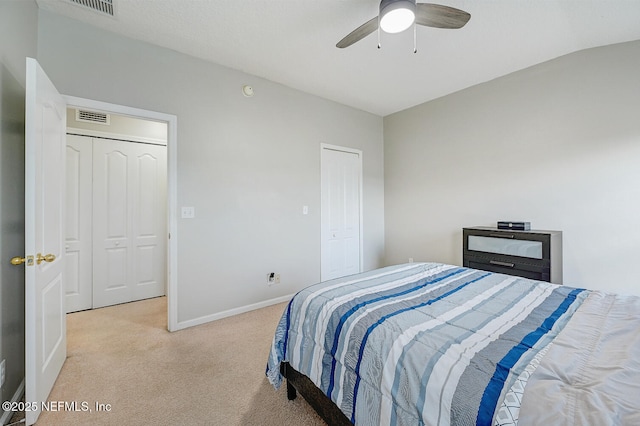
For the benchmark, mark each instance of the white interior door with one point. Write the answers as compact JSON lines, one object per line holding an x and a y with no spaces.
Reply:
{"x":45,"y":327}
{"x":129,"y":214}
{"x":78,"y":257}
{"x":341,"y":176}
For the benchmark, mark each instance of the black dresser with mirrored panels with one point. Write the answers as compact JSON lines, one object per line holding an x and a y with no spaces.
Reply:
{"x":530,"y":254}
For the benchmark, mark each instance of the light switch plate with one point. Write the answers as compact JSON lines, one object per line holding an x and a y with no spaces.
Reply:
{"x":188,"y":212}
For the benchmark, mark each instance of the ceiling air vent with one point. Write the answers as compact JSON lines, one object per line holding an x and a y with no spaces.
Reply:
{"x":92,"y":117}
{"x":102,"y":6}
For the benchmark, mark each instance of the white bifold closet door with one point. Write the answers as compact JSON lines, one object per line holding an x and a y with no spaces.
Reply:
{"x":78,"y":245}
{"x":128,"y":229}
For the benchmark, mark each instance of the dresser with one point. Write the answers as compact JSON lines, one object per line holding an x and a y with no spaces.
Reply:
{"x":531,"y":254}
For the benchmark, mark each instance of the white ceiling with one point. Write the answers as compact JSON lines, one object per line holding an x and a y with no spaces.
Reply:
{"x":292,"y":42}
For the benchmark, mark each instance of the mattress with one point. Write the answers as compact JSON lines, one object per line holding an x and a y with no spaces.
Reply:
{"x":437,"y":344}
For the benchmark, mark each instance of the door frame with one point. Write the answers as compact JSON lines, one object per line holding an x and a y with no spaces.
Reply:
{"x":172,"y":188}
{"x":326,"y":146}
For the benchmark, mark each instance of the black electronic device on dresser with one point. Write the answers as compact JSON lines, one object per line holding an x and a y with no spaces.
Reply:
{"x":530,"y":254}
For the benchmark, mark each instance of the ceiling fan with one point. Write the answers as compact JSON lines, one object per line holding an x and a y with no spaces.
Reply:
{"x":398,"y":15}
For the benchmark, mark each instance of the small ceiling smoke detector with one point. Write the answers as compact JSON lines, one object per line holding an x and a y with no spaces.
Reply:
{"x":102,"y":6}
{"x":247,"y":90}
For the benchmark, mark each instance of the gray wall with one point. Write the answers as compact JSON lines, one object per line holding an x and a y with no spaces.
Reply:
{"x":557,"y":144}
{"x":18,"y":28}
{"x":247,"y":165}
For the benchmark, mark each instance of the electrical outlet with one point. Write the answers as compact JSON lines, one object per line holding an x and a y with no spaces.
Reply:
{"x":411,"y":260}
{"x":2,"y":368}
{"x":273,"y":278}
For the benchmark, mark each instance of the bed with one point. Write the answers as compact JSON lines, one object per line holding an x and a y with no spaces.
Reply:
{"x":437,"y":344}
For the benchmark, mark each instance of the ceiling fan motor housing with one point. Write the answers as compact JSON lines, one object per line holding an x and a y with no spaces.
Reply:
{"x":390,"y":11}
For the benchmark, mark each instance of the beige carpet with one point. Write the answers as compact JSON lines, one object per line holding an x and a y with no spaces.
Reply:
{"x":211,"y":374}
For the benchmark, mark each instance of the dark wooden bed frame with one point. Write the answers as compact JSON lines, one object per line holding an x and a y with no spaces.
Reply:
{"x":298,"y":382}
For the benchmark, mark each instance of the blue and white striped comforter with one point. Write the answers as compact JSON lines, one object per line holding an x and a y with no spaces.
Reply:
{"x":422,"y":343}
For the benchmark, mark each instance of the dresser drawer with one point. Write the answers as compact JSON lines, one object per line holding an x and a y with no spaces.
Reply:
{"x":531,"y":249}
{"x":505,"y":266}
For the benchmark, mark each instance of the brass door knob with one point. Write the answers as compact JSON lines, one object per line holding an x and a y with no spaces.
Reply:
{"x":46,"y":258}
{"x":18,"y":260}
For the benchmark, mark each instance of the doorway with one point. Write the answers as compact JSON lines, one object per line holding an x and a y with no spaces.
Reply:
{"x":341,"y":211}
{"x":170,"y":261}
{"x":115,"y":243}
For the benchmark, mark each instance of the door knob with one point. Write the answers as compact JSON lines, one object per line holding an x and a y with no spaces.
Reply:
{"x":46,"y":258}
{"x":20,"y":260}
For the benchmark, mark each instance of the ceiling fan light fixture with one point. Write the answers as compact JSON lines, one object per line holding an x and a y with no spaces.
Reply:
{"x":397,"y":15}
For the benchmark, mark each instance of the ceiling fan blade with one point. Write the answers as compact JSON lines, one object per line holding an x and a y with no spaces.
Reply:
{"x":359,"y":33}
{"x":438,"y":16}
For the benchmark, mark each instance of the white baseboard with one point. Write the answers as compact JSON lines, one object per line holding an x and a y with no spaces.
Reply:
{"x":213,"y":317}
{"x":17,"y":397}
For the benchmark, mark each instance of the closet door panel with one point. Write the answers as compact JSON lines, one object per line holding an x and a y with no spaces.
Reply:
{"x":150,"y":235}
{"x":78,"y":247}
{"x":116,"y":276}
{"x":113,"y":184}
{"x":111,"y":223}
